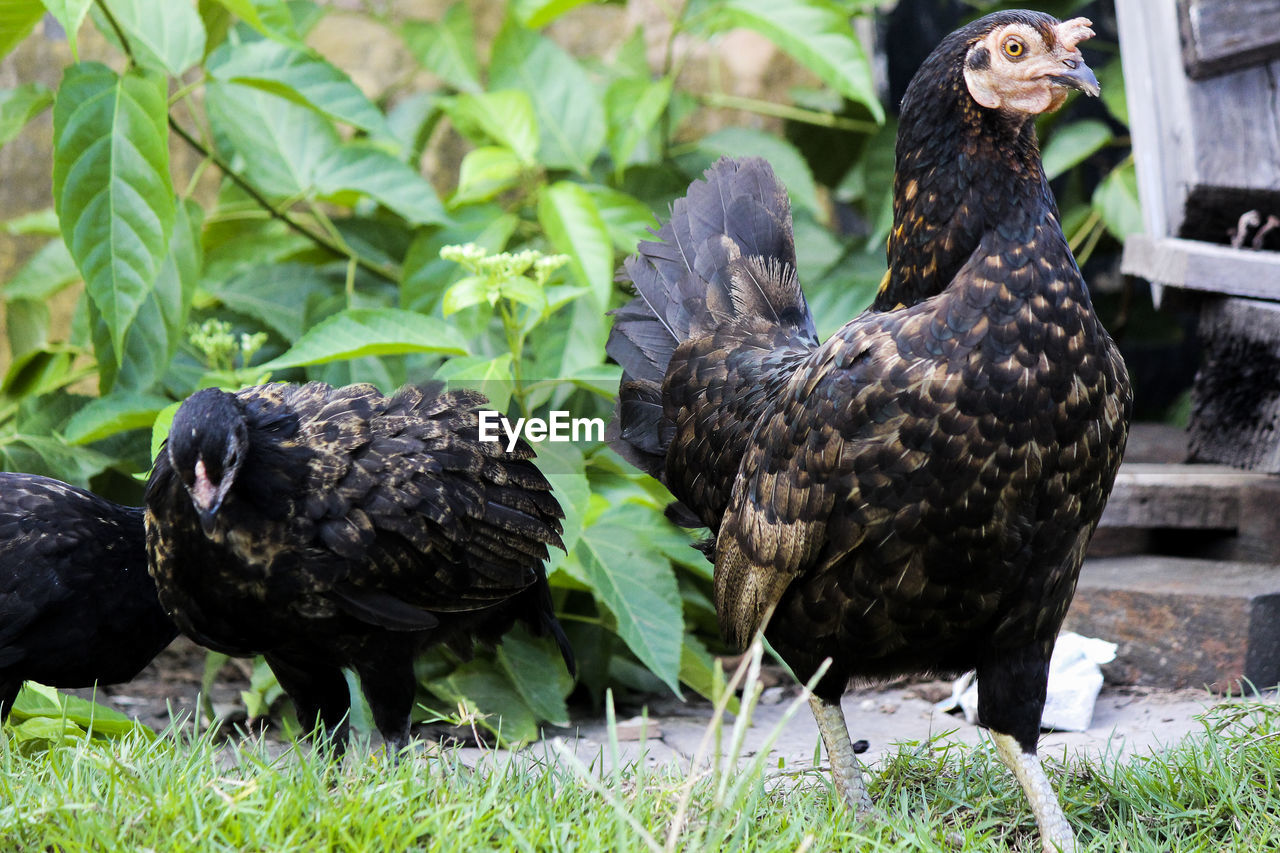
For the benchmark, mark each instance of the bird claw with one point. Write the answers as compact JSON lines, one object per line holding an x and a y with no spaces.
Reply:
{"x":1074,"y":31}
{"x":1248,"y":220}
{"x":1272,"y":223}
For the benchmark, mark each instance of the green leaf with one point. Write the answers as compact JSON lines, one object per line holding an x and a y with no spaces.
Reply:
{"x":447,"y":48}
{"x":485,"y":172}
{"x":633,"y":106}
{"x":535,"y":667}
{"x":870,"y":183}
{"x":489,"y":376}
{"x":43,"y":733}
{"x":48,"y":271}
{"x":484,"y":689}
{"x":271,"y":18}
{"x":525,"y":291}
{"x":166,"y":35}
{"x":279,"y":296}
{"x":426,"y":276}
{"x":19,"y":17}
{"x":535,"y":14}
{"x":38,"y":371}
{"x":505,"y":117}
{"x":565,"y":468}
{"x":787,"y":161}
{"x":276,"y":145}
{"x":584,"y":343}
{"x":162,"y":319}
{"x":246,"y":11}
{"x":298,"y":76}
{"x":18,"y":106}
{"x":817,"y":34}
{"x":411,"y":122}
{"x":356,"y":169}
{"x":160,"y":427}
{"x":26,"y":325}
{"x":38,"y":701}
{"x":112,"y":414}
{"x":52,"y":457}
{"x":626,"y":218}
{"x":111,"y":185}
{"x":571,"y":122}
{"x":464,"y":293}
{"x":568,"y":214}
{"x":1116,"y":201}
{"x":636,"y":584}
{"x":699,"y":669}
{"x":1072,"y":144}
{"x":1111,"y":77}
{"x":36,"y":222}
{"x":358,"y":332}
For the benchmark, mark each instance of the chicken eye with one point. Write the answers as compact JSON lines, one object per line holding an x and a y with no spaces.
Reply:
{"x":1014,"y":48}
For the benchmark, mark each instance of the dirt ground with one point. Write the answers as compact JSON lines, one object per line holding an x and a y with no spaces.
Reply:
{"x":1126,"y":721}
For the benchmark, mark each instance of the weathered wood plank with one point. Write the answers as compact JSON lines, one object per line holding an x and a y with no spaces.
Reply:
{"x":1198,"y":497}
{"x":1235,"y":412}
{"x":1156,"y":93}
{"x":1219,"y":36}
{"x":1235,"y":125}
{"x":1209,"y":267}
{"x":1217,"y":132}
{"x":1154,"y":442}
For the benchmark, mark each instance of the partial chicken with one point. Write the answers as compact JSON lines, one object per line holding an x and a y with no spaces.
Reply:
{"x":336,"y":527}
{"x":77,"y":606}
{"x":916,"y":493}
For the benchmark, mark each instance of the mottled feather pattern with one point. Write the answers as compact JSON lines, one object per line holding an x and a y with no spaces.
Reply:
{"x":76,"y":603}
{"x":356,"y":519}
{"x":949,"y":187}
{"x":914,"y":493}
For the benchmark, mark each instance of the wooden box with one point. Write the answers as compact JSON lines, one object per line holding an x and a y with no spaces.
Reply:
{"x":1204,"y":108}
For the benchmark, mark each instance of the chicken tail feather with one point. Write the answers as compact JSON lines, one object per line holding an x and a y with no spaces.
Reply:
{"x":724,"y":261}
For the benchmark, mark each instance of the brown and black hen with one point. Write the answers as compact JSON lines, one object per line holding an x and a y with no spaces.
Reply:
{"x":916,"y":493}
{"x":77,"y":606}
{"x":336,"y":527}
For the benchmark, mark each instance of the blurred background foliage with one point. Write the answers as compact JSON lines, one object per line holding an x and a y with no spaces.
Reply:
{"x":236,"y":197}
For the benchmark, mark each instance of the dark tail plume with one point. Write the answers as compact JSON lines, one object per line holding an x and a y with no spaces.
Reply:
{"x":725,"y":261}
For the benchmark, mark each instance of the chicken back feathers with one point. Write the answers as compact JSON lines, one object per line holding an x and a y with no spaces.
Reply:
{"x":916,"y":493}
{"x":76,"y":603}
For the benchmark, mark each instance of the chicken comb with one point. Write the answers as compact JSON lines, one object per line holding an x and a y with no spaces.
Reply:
{"x":1072,"y":32}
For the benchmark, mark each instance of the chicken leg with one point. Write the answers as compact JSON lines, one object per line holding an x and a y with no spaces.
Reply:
{"x":846,"y":771}
{"x":1055,"y":831}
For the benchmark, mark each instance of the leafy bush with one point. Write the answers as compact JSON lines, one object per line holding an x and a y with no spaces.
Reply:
{"x":308,"y":244}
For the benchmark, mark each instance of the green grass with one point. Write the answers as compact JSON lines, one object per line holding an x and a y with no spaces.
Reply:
{"x":1217,"y":791}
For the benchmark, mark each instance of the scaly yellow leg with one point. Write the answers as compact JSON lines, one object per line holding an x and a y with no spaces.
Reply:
{"x":846,"y":771}
{"x":1055,"y":833}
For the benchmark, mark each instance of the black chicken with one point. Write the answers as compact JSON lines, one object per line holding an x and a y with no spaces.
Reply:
{"x":335,"y":527}
{"x":915,"y":494}
{"x":76,"y":603}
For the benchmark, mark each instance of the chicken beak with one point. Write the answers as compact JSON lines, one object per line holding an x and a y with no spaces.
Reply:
{"x":205,"y":498}
{"x":1077,"y":75}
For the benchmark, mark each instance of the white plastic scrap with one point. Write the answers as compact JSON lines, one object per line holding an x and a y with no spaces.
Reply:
{"x":1074,"y":682}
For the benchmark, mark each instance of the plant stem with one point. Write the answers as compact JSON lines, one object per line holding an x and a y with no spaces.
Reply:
{"x":207,"y":152}
{"x":1084,"y":231}
{"x":785,"y":111}
{"x":515,"y":344}
{"x":283,"y":215}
